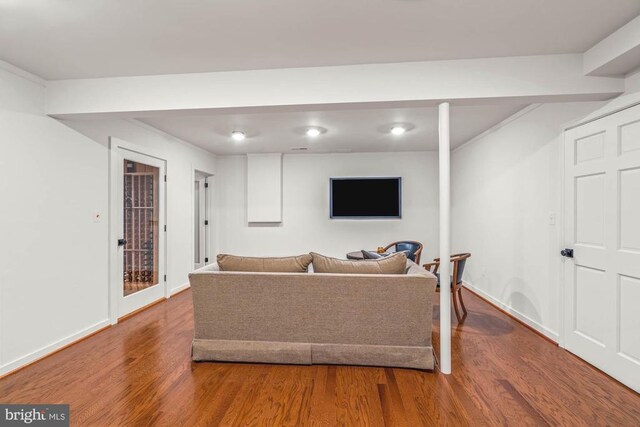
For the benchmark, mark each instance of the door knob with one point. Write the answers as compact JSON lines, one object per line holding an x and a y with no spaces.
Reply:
{"x":122,"y":242}
{"x":567,"y":253}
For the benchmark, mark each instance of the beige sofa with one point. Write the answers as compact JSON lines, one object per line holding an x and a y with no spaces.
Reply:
{"x":313,"y":318}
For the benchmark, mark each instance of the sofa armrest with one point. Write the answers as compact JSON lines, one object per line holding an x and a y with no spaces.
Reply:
{"x":413,"y":268}
{"x":210,"y":267}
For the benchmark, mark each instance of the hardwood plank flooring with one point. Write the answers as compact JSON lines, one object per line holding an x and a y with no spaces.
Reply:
{"x":139,"y":373}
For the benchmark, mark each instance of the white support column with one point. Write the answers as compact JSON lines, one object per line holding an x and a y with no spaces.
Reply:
{"x":445,"y":239}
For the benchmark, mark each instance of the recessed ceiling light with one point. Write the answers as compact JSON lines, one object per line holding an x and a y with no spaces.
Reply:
{"x":313,"y":132}
{"x":238,"y":136}
{"x":398,"y":130}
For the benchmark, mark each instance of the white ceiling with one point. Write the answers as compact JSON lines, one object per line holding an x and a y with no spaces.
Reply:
{"x":347,"y":131}
{"x":59,"y":39}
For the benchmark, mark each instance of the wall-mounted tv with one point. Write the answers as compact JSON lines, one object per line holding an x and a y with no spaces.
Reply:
{"x":366,"y":198}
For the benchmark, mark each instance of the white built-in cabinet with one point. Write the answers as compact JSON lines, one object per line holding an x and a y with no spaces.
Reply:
{"x":264,"y":188}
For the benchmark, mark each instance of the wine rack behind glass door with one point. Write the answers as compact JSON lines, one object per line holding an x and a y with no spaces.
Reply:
{"x":141,"y":226}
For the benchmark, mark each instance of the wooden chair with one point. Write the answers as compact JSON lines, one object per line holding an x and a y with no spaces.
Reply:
{"x":459,"y":261}
{"x":414,"y":249}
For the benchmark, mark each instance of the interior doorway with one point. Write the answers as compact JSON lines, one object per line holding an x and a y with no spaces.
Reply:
{"x":138,"y":212}
{"x":201,"y":218}
{"x":602,"y":237}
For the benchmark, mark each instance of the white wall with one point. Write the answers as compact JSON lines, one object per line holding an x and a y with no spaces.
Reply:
{"x":631,"y":96}
{"x":505,"y":184}
{"x":306,"y":225}
{"x":632,"y":82}
{"x":20,"y":91}
{"x":53,"y":270}
{"x":53,"y":257}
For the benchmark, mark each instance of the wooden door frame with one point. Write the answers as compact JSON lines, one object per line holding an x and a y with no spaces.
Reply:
{"x":114,"y":282}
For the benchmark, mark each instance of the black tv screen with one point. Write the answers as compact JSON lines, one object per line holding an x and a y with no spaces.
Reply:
{"x":366,"y":197}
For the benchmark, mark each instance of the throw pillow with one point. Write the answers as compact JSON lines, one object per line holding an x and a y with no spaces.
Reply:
{"x":393,"y":264}
{"x":371,"y":255}
{"x":292,"y":264}
{"x":376,"y":255}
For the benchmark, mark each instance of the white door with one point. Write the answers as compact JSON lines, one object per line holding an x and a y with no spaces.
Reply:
{"x":139,"y":221}
{"x":602,"y":226}
{"x":200,"y":221}
{"x":202,"y":229}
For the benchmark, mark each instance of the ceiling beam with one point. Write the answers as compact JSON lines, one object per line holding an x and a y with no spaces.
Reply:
{"x":616,"y":55}
{"x":518,"y":79}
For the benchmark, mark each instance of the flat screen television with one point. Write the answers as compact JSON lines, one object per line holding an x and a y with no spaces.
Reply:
{"x":366,"y":198}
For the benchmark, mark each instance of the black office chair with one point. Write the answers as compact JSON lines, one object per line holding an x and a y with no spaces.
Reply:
{"x":413,"y":249}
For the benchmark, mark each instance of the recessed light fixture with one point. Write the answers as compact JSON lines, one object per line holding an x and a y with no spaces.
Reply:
{"x":313,"y":132}
{"x":398,"y":130}
{"x":238,"y":136}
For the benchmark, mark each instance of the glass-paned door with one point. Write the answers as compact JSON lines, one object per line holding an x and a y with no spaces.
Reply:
{"x":141,"y":230}
{"x":141,"y":226}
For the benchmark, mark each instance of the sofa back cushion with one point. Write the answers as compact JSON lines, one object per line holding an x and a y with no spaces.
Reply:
{"x":393,"y":264}
{"x":292,"y":264}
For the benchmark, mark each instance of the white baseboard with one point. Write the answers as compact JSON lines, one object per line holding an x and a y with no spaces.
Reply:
{"x":44,"y":351}
{"x":180,"y":288}
{"x":515,"y":313}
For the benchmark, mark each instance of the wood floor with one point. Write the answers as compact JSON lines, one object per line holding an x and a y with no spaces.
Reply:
{"x":139,"y":373}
